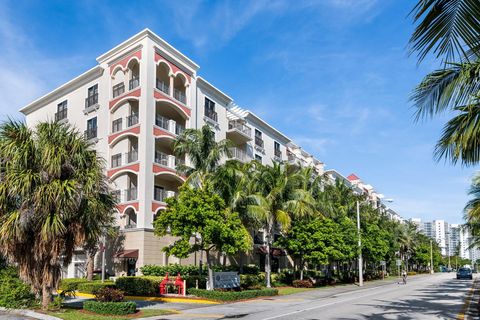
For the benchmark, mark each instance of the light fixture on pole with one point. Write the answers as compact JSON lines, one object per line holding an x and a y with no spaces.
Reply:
{"x":431,"y":256}
{"x":360,"y":260}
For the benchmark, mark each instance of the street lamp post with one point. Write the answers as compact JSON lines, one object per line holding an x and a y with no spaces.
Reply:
{"x":360,"y":260}
{"x":431,"y":257}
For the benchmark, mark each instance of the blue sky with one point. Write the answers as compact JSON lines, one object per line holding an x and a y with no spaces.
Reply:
{"x":334,"y":75}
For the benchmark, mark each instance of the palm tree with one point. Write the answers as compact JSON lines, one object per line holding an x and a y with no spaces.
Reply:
{"x":277,"y":197}
{"x":53,"y":198}
{"x":450,"y":30}
{"x":203,"y":151}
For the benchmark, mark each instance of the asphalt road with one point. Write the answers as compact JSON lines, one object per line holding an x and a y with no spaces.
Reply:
{"x":439,"y":296}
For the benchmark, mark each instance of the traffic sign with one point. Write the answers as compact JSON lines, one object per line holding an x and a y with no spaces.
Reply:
{"x":399,"y":262}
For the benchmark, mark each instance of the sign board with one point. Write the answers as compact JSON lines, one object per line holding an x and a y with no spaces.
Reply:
{"x":226,"y":280}
{"x":383,"y":263}
{"x":399,"y":262}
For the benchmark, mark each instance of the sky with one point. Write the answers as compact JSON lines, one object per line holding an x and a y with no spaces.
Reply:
{"x":333,"y":75}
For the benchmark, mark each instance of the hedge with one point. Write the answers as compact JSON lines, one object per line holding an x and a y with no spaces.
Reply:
{"x":14,"y":293}
{"x":93,"y":286}
{"x":71,"y":284}
{"x":139,"y":286}
{"x":251,"y":281}
{"x":302,"y":284}
{"x":193,"y":270}
{"x":232,"y":295}
{"x":118,"y":308}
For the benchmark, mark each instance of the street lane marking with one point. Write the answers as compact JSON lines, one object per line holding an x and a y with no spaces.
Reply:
{"x":461,"y":315}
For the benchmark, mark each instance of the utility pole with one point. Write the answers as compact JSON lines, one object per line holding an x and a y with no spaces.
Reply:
{"x":103,"y":258}
{"x":431,"y":256}
{"x":360,"y":260}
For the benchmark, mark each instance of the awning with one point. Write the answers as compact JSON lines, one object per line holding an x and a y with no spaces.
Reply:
{"x":276,"y":252}
{"x":127,"y":254}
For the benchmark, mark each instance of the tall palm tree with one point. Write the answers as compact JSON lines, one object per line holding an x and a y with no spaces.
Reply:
{"x":450,"y":29}
{"x":277,"y":197}
{"x":203,"y":151}
{"x":53,"y":198}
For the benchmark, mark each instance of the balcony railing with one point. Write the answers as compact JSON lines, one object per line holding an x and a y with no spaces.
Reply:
{"x":259,"y":142}
{"x":179,"y":95}
{"x":238,"y":154}
{"x":162,"y":86}
{"x":162,"y":122}
{"x":117,"y":125}
{"x":116,"y":160}
{"x":211,"y":114}
{"x":179,"y":129}
{"x":90,"y":133}
{"x":130,"y":225}
{"x":240,"y":127}
{"x":91,"y":100}
{"x":60,"y":115}
{"x":161,"y":158}
{"x":118,"y":89}
{"x":278,"y":154}
{"x":161,"y":195}
{"x":131,"y":194}
{"x":133,"y":83}
{"x":131,"y":156}
{"x":132,"y":119}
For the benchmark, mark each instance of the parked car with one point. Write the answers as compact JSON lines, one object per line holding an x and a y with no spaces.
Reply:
{"x":464,"y":273}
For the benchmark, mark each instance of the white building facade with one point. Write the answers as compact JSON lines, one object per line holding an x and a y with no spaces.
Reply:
{"x":131,"y":106}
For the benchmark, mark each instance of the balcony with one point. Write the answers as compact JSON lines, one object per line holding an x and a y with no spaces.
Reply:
{"x":131,"y":194}
{"x":277,"y":154}
{"x":132,"y":119}
{"x":133,"y":83}
{"x":118,"y":90}
{"x":131,"y":156}
{"x":128,"y":158}
{"x":259,"y":142}
{"x":169,"y":125}
{"x":130,"y":225}
{"x":179,"y":96}
{"x":61,"y":115}
{"x":161,"y":195}
{"x":90,"y":133}
{"x":166,"y":160}
{"x":162,"y":86}
{"x":91,"y":101}
{"x":239,"y":132}
{"x":211,"y":114}
{"x":238,"y":154}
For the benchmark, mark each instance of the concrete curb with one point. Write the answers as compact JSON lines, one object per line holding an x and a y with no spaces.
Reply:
{"x":30,"y":313}
{"x":159,"y":299}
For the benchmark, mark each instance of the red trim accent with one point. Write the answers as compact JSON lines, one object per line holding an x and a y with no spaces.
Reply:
{"x":124,"y":61}
{"x":157,"y":131}
{"x":160,"y":95}
{"x":174,"y":67}
{"x":135,"y":130}
{"x":134,"y":93}
{"x":122,"y":207}
{"x":134,"y":167}
{"x":158,"y":168}
{"x":156,"y":206}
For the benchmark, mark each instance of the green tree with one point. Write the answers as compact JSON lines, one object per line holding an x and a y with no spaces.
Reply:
{"x":202,"y":213}
{"x":450,"y":30}
{"x":277,"y":195}
{"x":53,"y":197}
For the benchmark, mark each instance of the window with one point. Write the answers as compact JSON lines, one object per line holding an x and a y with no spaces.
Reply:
{"x":276,"y":150}
{"x":258,"y":138}
{"x":116,"y":160}
{"x":91,"y":131}
{"x":117,"y":125}
{"x":258,"y":158}
{"x":61,"y":111}
{"x":159,"y":193}
{"x":210,"y":110}
{"x":92,"y":96}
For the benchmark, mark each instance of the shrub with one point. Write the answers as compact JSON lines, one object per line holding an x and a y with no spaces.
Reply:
{"x":172,"y":269}
{"x":118,"y":308}
{"x":14,"y":293}
{"x":109,"y":295}
{"x":71,"y":284}
{"x":302,"y":284}
{"x":139,"y":286}
{"x":232,"y":295}
{"x":250,"y":281}
{"x":411,"y":273}
{"x":92,"y":287}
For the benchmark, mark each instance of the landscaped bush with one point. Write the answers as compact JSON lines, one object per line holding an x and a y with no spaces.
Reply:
{"x":109,"y":295}
{"x":172,"y":269}
{"x":71,"y":284}
{"x":92,"y":287}
{"x":302,"y":284}
{"x":411,"y":273}
{"x":14,"y":293}
{"x":139,"y":286}
{"x":232,"y":295}
{"x":251,"y":281}
{"x":117,"y":308}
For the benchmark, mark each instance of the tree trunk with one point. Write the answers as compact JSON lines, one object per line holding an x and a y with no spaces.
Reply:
{"x":90,"y":266}
{"x":210,"y":271}
{"x":46,"y":296}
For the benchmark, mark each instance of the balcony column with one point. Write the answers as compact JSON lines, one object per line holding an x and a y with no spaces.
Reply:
{"x":187,"y":95}
{"x":172,"y":81}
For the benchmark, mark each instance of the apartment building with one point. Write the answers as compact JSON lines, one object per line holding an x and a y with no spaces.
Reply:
{"x":131,"y":106}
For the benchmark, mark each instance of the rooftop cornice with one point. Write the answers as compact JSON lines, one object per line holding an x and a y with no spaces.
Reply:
{"x":65,"y":88}
{"x":214,"y":91}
